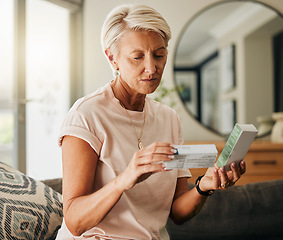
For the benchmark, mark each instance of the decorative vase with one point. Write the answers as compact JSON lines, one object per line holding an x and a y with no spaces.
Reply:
{"x":277,"y":130}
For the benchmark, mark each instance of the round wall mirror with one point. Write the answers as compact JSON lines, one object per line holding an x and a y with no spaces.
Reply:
{"x":225,"y":65}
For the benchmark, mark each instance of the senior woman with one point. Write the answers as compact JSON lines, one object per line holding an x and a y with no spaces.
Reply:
{"x":115,"y":140}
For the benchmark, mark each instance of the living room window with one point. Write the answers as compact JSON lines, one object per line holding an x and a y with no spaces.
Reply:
{"x":6,"y":82}
{"x":41,"y":57}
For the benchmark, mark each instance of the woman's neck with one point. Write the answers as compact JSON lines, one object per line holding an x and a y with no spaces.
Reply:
{"x":128,"y":99}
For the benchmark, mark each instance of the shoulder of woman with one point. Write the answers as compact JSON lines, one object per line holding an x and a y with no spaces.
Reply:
{"x":95,"y":98}
{"x":162,"y":108}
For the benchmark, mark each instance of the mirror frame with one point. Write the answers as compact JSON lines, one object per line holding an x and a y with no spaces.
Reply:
{"x":181,"y":34}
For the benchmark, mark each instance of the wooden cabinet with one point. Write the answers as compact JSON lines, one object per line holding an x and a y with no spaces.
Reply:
{"x":264,"y":162}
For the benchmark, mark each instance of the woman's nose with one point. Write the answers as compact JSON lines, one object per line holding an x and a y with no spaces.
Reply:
{"x":150,"y":66}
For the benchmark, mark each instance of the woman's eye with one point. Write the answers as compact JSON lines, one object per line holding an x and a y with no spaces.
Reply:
{"x":159,"y":56}
{"x":137,"y":58}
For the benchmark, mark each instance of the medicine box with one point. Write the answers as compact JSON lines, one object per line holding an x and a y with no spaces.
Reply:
{"x":237,"y":145}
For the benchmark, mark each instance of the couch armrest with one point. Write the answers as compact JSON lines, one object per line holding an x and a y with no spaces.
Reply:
{"x":55,"y":184}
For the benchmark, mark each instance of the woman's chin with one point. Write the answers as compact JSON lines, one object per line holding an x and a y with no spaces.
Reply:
{"x":150,"y":86}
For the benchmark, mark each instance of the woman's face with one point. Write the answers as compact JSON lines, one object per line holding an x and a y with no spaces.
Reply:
{"x":141,"y":59}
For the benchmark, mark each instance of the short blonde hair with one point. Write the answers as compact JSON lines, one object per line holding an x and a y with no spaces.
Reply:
{"x":132,"y":17}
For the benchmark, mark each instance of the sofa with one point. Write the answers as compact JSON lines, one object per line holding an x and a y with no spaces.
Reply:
{"x":31,"y":209}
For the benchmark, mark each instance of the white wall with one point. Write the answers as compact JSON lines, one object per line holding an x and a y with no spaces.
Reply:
{"x":177,"y":13}
{"x":253,"y":71}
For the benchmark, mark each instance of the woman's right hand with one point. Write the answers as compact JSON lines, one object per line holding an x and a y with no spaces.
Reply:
{"x":146,"y":162}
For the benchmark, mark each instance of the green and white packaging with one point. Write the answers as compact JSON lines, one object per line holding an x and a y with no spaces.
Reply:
{"x":237,"y":145}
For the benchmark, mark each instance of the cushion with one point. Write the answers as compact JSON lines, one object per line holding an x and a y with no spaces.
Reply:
{"x":251,"y":211}
{"x":29,"y":209}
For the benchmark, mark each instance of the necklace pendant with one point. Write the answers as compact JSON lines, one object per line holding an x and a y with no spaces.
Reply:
{"x":140,"y":144}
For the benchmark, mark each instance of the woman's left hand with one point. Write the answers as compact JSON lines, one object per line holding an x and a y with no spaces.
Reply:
{"x":218,"y":178}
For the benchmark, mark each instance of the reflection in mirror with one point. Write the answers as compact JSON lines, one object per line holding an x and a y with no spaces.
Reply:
{"x":226,"y":62}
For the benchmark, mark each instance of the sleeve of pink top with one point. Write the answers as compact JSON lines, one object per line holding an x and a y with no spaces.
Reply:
{"x":76,"y":125}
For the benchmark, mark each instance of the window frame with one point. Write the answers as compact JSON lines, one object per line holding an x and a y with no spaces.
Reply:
{"x":76,"y":81}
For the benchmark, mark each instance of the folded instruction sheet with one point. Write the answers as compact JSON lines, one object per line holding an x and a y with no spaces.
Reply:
{"x":193,"y":156}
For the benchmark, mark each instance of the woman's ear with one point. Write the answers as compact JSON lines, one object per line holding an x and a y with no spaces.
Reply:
{"x":110,"y":57}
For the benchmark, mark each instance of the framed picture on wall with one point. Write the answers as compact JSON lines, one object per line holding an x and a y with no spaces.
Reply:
{"x":228,"y":116}
{"x":210,"y":94}
{"x":227,"y":68}
{"x":188,"y":90}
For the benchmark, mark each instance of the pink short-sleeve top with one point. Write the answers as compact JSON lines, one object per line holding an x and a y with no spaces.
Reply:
{"x":100,"y":120}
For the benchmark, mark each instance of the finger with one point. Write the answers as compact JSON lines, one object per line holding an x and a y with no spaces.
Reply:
{"x":216,"y":166}
{"x":235,"y":172}
{"x":216,"y":179}
{"x":242,"y":167}
{"x":224,"y":181}
{"x":154,"y":158}
{"x":142,"y":158}
{"x":155,"y":153}
{"x":160,"y":144}
{"x":159,"y":147}
{"x":151,"y":168}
